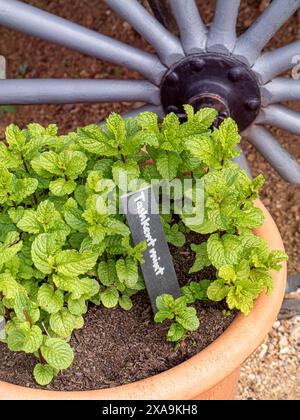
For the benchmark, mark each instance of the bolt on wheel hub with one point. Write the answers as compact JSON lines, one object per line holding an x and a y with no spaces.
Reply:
{"x":213,"y":80}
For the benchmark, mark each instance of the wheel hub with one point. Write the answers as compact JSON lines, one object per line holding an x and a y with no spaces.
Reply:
{"x":212,"y":80}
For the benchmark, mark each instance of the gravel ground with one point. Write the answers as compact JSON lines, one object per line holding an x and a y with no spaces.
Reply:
{"x":273,"y":371}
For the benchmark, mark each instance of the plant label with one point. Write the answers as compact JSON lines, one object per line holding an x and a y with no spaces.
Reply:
{"x":2,"y":328}
{"x":143,"y":217}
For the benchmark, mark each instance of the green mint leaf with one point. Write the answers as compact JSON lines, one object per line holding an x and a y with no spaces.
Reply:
{"x":74,"y":219}
{"x":25,"y":338}
{"x":116,"y":128}
{"x":9,"y":286}
{"x":176,"y":333}
{"x":10,"y":248}
{"x":228,"y":135}
{"x":78,"y":287}
{"x":94,"y":140}
{"x":46,"y":165}
{"x":162,"y":315}
{"x":227,"y":272}
{"x":188,"y":294}
{"x":127,"y":271}
{"x":25,"y":309}
{"x":202,"y":259}
{"x":168,"y":164}
{"x":110,"y":297}
{"x":60,"y":187}
{"x":107,"y":272}
{"x":125,"y":303}
{"x":16,"y":214}
{"x":57,"y":353}
{"x":275,"y":260}
{"x":203,"y":148}
{"x":50,"y":300}
{"x":73,"y":263}
{"x":15,"y":138}
{"x":199,"y":289}
{"x":63,"y":323}
{"x":249,"y":218}
{"x":224,"y":250}
{"x":174,"y":236}
{"x":217,"y":291}
{"x":43,"y":374}
{"x":43,"y":248}
{"x":77,"y":307}
{"x":240,"y":299}
{"x":188,"y":319}
{"x":29,"y":223}
{"x":125,"y":171}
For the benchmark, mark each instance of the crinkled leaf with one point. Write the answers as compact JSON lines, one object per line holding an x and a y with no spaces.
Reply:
{"x":224,"y":250}
{"x":176,"y":333}
{"x":125,"y":302}
{"x":57,"y":353}
{"x":78,"y":287}
{"x":43,"y":247}
{"x":43,"y":374}
{"x":168,"y":164}
{"x":94,"y":140}
{"x":188,"y":319}
{"x":63,"y":323}
{"x":61,"y":187}
{"x":217,"y":291}
{"x":110,"y":297}
{"x":127,"y":271}
{"x":25,"y":338}
{"x":25,"y":309}
{"x":73,"y":263}
{"x":107,"y":272}
{"x":77,"y":306}
{"x":50,"y":300}
{"x":201,"y":260}
{"x":74,"y":219}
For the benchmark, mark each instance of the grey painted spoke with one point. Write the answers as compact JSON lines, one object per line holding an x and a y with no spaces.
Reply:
{"x":242,"y":162}
{"x":222,"y":33}
{"x":280,"y":117}
{"x":274,"y":63}
{"x":280,"y":90}
{"x":65,"y":91}
{"x":147,"y":108}
{"x":31,"y":20}
{"x":252,"y":42}
{"x":274,"y":153}
{"x":165,"y":43}
{"x":192,"y":29}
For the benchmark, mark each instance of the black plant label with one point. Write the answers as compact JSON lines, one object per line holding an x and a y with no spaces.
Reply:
{"x":143,"y":217}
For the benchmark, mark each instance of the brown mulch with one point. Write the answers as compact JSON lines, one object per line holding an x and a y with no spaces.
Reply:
{"x":46,"y":60}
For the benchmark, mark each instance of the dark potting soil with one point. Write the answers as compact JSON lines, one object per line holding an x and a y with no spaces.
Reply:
{"x":117,"y":347}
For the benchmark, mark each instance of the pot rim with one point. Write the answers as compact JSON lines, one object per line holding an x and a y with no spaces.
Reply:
{"x":203,"y":371}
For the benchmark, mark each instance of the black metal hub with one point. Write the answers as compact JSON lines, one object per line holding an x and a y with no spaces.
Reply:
{"x":212,"y":80}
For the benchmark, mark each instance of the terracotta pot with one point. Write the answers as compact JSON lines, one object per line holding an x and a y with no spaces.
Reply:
{"x":213,"y":373}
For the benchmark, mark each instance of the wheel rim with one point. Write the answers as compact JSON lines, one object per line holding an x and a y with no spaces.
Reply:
{"x":195,"y":38}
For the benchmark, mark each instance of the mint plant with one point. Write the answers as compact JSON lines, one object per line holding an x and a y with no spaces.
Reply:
{"x":62,"y":248}
{"x":176,"y":309}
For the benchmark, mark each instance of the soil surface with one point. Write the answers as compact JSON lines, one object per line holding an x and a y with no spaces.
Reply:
{"x":32,"y":58}
{"x":117,"y":347}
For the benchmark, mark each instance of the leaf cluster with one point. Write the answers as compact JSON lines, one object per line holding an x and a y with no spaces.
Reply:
{"x":62,"y":247}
